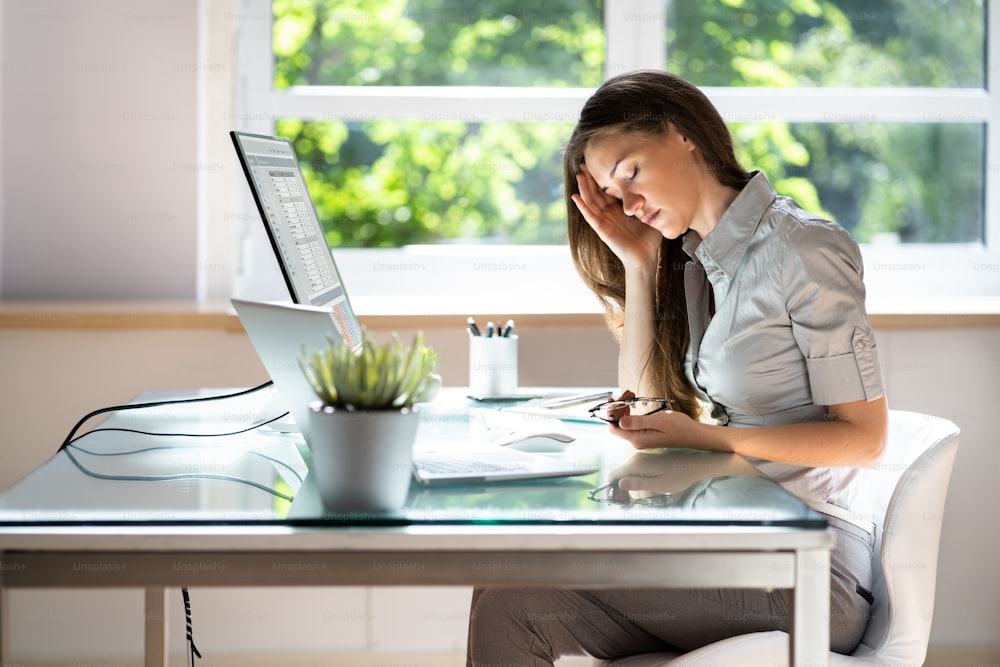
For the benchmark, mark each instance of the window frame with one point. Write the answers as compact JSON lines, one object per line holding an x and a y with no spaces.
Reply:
{"x":895,"y":274}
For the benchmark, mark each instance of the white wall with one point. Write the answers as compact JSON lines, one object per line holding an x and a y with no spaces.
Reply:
{"x":99,"y":137}
{"x":3,"y":154}
{"x":955,"y":373}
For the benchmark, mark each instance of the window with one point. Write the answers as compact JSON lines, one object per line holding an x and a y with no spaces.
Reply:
{"x":431,"y":130}
{"x":444,"y":176}
{"x":883,"y":176}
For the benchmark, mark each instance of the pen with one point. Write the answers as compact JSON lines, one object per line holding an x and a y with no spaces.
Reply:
{"x":473,"y":329}
{"x":490,"y":328}
{"x":507,"y":329}
{"x":576,"y":399}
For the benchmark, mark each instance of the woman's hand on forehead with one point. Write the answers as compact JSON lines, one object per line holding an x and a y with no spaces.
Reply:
{"x":630,"y":240}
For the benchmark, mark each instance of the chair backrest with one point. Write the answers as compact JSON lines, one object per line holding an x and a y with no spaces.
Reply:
{"x":911,"y":482}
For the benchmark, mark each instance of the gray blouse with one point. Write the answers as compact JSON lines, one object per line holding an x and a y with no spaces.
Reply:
{"x":790,"y":334}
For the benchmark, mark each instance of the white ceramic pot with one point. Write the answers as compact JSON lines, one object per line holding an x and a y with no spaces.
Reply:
{"x":361,"y":459}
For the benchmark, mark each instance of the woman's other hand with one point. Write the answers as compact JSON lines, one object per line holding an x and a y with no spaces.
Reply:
{"x":661,"y":429}
{"x":853,"y":435}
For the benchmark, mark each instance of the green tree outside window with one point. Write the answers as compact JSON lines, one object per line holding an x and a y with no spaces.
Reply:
{"x":384,"y":183}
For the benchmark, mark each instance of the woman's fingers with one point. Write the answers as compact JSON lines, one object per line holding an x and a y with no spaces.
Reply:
{"x":603,"y":218}
{"x":585,"y":210}
{"x":589,"y":189}
{"x":595,"y":199}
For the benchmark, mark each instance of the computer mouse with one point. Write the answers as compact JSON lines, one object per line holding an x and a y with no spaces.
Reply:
{"x":539,"y":442}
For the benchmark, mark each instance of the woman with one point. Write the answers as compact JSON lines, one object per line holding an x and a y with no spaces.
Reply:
{"x":749,"y":312}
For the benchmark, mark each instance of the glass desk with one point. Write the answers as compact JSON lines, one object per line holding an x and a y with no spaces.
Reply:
{"x":156,"y":498}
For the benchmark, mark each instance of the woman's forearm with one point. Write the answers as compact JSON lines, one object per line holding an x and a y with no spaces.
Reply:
{"x":854,"y":436}
{"x":638,"y":331}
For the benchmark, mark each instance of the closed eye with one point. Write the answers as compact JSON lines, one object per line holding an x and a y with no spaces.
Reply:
{"x":605,"y":191}
{"x":632,"y":177}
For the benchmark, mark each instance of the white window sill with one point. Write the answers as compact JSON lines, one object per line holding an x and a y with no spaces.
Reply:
{"x":908,"y":286}
{"x":495,"y":281}
{"x":439,"y":286}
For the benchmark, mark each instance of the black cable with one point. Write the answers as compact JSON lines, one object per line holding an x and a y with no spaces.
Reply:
{"x":155,"y":404}
{"x":192,"y":649}
{"x":178,"y":435}
{"x":69,"y":443}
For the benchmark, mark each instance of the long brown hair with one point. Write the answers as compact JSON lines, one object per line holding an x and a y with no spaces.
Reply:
{"x":641,"y":102}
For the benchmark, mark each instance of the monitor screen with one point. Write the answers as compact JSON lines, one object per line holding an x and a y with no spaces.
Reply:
{"x":275,"y":178}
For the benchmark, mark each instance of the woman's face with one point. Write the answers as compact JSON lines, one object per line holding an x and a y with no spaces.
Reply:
{"x":656,"y":178}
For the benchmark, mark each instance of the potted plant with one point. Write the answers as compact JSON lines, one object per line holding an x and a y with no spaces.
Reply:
{"x":363,"y":425}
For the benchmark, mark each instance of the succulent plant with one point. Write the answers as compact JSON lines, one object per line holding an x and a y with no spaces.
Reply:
{"x":374,"y":377}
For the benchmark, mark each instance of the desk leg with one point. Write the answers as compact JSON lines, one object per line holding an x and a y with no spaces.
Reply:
{"x":810,"y":640}
{"x":4,"y":637}
{"x":156,"y":626}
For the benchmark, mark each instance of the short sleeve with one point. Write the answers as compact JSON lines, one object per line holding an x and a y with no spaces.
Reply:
{"x":825,"y":299}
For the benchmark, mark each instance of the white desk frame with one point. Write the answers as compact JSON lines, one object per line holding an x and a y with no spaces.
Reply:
{"x":574,"y":556}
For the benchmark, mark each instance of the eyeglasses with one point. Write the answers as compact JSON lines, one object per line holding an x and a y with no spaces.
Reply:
{"x":610,"y":493}
{"x":612,"y":411}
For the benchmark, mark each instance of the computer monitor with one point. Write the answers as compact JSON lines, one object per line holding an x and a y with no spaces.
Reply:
{"x":289,"y":215}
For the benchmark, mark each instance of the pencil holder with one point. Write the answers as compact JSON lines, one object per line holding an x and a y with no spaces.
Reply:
{"x":492,"y":366}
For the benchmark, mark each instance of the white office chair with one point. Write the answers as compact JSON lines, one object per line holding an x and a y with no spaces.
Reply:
{"x":912,"y":480}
